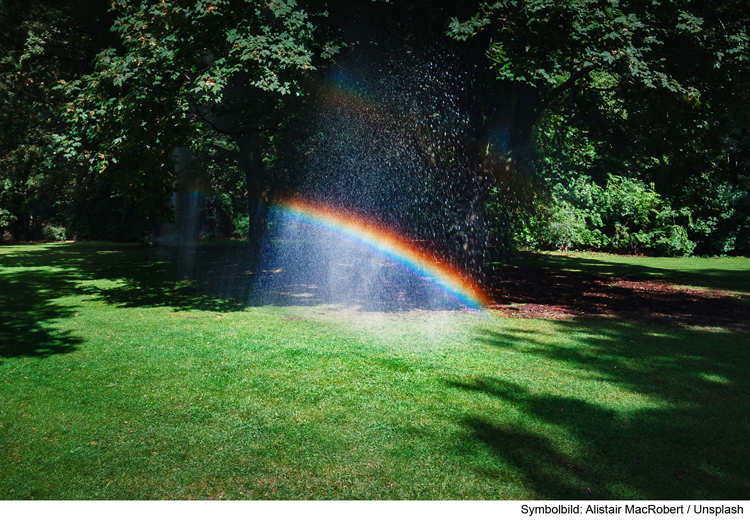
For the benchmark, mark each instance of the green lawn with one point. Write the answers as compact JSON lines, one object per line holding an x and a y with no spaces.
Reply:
{"x":724,"y":273}
{"x":120,"y":382}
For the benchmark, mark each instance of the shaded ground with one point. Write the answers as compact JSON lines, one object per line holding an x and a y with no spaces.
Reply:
{"x":215,"y":277}
{"x":544,"y":293}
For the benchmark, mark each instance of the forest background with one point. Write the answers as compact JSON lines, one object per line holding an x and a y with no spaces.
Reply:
{"x":620,"y":126}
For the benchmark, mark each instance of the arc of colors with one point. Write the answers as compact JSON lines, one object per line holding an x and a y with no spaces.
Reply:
{"x":387,"y":242}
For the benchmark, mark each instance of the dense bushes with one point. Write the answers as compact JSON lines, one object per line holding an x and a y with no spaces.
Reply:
{"x":624,"y":216}
{"x":629,"y":216}
{"x":721,"y":217}
{"x":53,"y":233}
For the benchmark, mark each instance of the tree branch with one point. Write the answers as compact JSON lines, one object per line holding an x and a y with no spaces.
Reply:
{"x":557,"y":91}
{"x":240,"y":130}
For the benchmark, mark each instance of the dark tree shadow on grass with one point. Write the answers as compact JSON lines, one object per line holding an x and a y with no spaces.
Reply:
{"x":689,"y":442}
{"x":144,"y":277}
{"x":28,"y":312}
{"x":535,"y":292}
{"x":203,"y":277}
{"x":706,"y":276}
{"x":33,"y":278}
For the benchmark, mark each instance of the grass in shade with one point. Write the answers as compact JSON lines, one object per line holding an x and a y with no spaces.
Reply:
{"x":722,"y":273}
{"x":120,"y":382}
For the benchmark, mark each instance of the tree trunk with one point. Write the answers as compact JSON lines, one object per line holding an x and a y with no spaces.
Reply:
{"x":734,"y":177}
{"x":258,"y":196}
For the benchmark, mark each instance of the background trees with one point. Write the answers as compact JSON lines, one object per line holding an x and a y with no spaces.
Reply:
{"x":616,"y":91}
{"x":190,"y":86}
{"x":41,"y":44}
{"x":620,"y":125}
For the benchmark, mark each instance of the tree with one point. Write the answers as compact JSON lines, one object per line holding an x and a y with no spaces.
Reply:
{"x":186,"y":91}
{"x":179,"y":75}
{"x":549,"y":54}
{"x":650,"y":88}
{"x":41,"y":43}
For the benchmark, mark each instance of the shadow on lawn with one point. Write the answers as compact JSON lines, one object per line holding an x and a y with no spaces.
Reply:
{"x":145,"y":277}
{"x":688,"y":442}
{"x":706,"y":276}
{"x":28,"y":310}
{"x":33,"y":278}
{"x":211,"y":277}
{"x":551,"y":293}
{"x":220,"y":272}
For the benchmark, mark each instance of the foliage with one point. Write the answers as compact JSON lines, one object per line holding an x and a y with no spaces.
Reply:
{"x":6,"y":218}
{"x":166,"y":76}
{"x":98,"y":99}
{"x":624,"y":216}
{"x":581,"y":208}
{"x":651,"y":91}
{"x":550,"y":54}
{"x":242,"y":225}
{"x":41,"y":43}
{"x":549,"y":45}
{"x":179,"y":69}
{"x":722,"y":212}
{"x":53,"y":233}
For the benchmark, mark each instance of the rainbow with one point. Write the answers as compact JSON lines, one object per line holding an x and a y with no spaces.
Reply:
{"x":390,"y":244}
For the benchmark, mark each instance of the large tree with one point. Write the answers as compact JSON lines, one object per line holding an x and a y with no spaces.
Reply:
{"x":181,"y":74}
{"x":651,"y":90}
{"x":183,"y":89}
{"x":42,"y":42}
{"x":596,"y":54}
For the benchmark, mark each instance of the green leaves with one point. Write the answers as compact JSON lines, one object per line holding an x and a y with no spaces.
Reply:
{"x":532,"y":38}
{"x":624,"y":215}
{"x":174,"y":65}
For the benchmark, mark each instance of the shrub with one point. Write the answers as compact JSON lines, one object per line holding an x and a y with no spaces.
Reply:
{"x":6,"y":218}
{"x":624,"y":216}
{"x":722,"y":216}
{"x":242,"y":225}
{"x":53,"y":233}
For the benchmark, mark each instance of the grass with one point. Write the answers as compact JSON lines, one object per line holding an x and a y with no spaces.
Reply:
{"x":120,"y":382}
{"x":726,"y":273}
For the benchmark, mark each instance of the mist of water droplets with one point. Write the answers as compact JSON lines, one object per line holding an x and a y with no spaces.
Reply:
{"x":390,"y":139}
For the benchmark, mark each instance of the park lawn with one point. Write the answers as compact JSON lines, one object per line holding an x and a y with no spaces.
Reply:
{"x":120,"y":382}
{"x":731,"y":274}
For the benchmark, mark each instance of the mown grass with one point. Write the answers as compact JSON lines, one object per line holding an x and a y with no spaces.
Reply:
{"x":122,"y":382}
{"x":723,"y":273}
